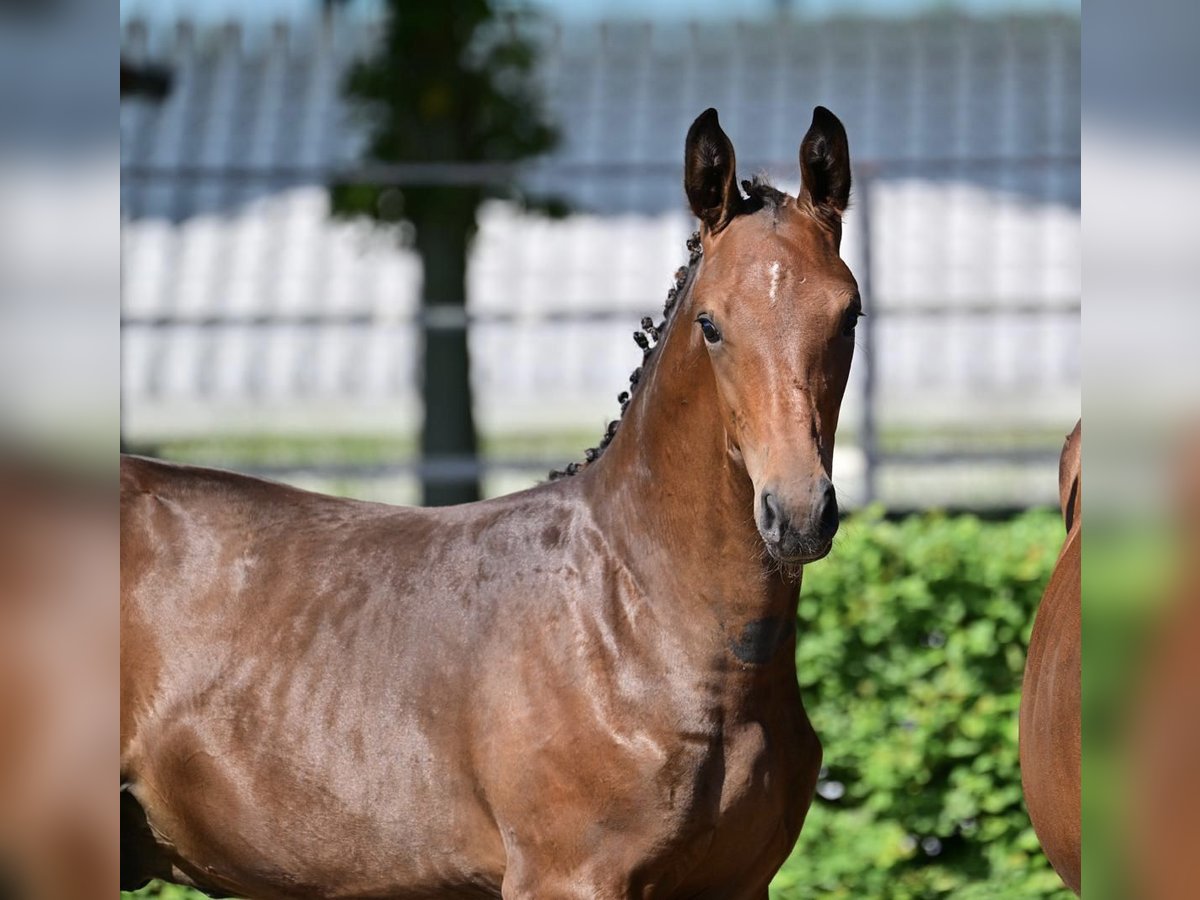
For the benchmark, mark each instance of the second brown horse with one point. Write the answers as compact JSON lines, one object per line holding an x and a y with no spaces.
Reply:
{"x":1051,"y":710}
{"x":584,"y":690}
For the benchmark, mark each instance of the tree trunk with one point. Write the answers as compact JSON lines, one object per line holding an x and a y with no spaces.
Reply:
{"x":448,"y":438}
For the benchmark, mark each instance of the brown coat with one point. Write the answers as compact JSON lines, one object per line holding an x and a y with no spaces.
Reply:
{"x":1050,"y":696}
{"x":586,"y":689}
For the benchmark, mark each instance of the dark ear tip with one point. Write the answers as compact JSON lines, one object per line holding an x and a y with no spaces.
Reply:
{"x":708,"y":117}
{"x":823,"y":117}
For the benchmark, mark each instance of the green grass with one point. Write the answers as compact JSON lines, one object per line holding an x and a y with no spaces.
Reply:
{"x":288,"y":449}
{"x":300,"y":450}
{"x":165,"y":892}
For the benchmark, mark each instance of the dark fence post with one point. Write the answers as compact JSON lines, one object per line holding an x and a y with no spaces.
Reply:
{"x":867,"y":329}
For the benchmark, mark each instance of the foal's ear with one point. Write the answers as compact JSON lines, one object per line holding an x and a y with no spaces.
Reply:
{"x":1069,"y":464}
{"x":710,"y":172}
{"x":825,"y":163}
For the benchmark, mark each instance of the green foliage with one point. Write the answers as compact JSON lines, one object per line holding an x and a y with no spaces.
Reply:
{"x":911,"y":652}
{"x":450,"y":82}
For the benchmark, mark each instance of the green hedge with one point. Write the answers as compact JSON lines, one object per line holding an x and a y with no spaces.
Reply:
{"x":911,"y":651}
{"x":912,"y":645}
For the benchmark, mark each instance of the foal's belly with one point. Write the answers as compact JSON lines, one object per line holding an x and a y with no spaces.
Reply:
{"x":274,"y":819}
{"x":228,"y":823}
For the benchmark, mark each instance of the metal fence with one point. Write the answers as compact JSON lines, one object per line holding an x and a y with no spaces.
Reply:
{"x":247,"y":309}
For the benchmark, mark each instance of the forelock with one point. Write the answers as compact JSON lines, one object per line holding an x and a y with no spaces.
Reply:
{"x":761,"y":194}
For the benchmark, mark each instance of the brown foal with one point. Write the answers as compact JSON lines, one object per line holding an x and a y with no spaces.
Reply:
{"x":1050,"y":715}
{"x":582,"y":690}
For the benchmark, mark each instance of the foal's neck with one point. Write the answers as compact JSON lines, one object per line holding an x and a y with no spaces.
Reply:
{"x":674,"y":497}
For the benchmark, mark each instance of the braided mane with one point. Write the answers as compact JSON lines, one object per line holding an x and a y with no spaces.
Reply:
{"x":647,"y":337}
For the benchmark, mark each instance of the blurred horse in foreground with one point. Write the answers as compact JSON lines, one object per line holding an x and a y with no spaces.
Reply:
{"x":58,"y":680}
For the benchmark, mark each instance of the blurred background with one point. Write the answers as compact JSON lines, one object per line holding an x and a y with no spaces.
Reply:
{"x":298,"y":227}
{"x":397,"y":250}
{"x":256,"y":335}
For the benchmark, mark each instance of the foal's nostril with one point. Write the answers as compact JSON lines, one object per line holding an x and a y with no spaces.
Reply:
{"x":772,"y":517}
{"x":828,"y":519}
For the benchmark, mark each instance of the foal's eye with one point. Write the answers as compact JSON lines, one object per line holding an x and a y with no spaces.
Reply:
{"x":851,"y":321}
{"x":711,"y":334}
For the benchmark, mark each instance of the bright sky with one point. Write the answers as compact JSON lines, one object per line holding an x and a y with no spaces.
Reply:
{"x":595,"y":9}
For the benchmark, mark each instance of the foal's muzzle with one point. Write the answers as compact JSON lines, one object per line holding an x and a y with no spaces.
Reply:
{"x":803,"y":532}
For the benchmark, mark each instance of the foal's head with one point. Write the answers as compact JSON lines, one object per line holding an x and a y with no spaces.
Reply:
{"x":775,"y":309}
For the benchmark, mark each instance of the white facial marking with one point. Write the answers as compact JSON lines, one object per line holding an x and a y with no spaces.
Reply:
{"x":775,"y":271}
